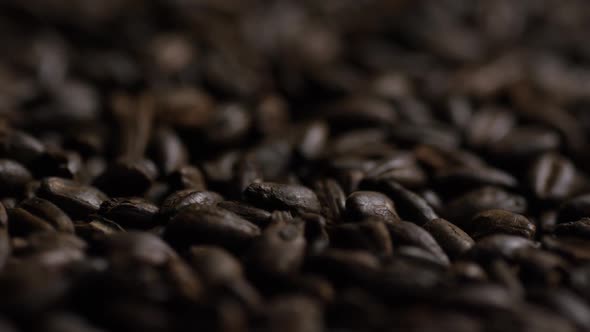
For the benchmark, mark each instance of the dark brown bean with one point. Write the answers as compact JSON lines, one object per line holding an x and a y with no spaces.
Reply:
{"x":214,"y":265}
{"x":332,"y":199}
{"x":501,"y":222}
{"x":524,"y":143}
{"x":282,"y":197}
{"x":135,"y":213}
{"x":451,"y":238}
{"x":168,"y":151}
{"x":579,"y":228}
{"x":75,"y":199}
{"x":181,"y":199}
{"x":371,"y":235}
{"x":257,"y":216}
{"x":575,"y":248}
{"x":20,"y":146}
{"x":500,"y":245}
{"x":470,"y":178}
{"x":463,"y":208}
{"x":552,"y":177}
{"x":362,"y":205}
{"x":127,"y":178}
{"x":279,"y":250}
{"x":22,"y":222}
{"x":186,"y":177}
{"x":410,"y":206}
{"x":488,"y":126}
{"x":137,"y":246}
{"x":408,"y":233}
{"x":210,"y":225}
{"x":96,"y":229}
{"x":13,"y":178}
{"x":49,"y":212}
{"x":294,"y":314}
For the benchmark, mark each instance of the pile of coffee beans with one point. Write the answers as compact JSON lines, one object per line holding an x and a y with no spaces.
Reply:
{"x":294,"y":166}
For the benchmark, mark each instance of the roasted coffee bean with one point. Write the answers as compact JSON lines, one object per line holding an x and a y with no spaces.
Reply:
{"x":566,"y":303}
{"x":354,"y":142}
{"x":210,"y":225}
{"x":524,"y":143}
{"x":13,"y":178}
{"x":552,"y":177}
{"x":419,"y":255}
{"x":463,"y":208}
{"x":137,"y":246}
{"x":439,"y":159}
{"x":257,"y":216}
{"x":306,"y":284}
{"x":229,"y":166}
{"x":467,"y":272}
{"x":65,"y":164}
{"x":272,"y":196}
{"x":75,"y":199}
{"x":343,"y":266}
{"x":247,"y":172}
{"x":469,"y":178}
{"x":134,"y":213}
{"x":293,"y":314}
{"x":571,"y":247}
{"x":214,"y":265}
{"x":502,"y":273}
{"x":96,"y":229}
{"x":169,"y":152}
{"x":228,"y":124}
{"x":407,"y":278}
{"x":402,"y":168}
{"x":31,"y":288}
{"x":186,"y":177}
{"x":316,"y":235}
{"x":273,"y":157}
{"x":500,"y":245}
{"x":22,"y":222}
{"x":49,"y":212}
{"x":439,"y":136}
{"x":411,"y":206}
{"x":362,"y":205}
{"x":433,"y":199}
{"x":500,"y":222}
{"x":332,"y":199}
{"x":181,"y":199}
{"x":313,"y":140}
{"x":369,"y":235}
{"x":52,"y":249}
{"x":127,"y":178}
{"x":579,"y":228}
{"x":359,"y":112}
{"x":488,"y":126}
{"x":221,"y":169}
{"x":20,"y":146}
{"x":407,"y":233}
{"x":483,"y":297}
{"x":279,"y":250}
{"x":451,"y":238}
{"x":540,"y":267}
